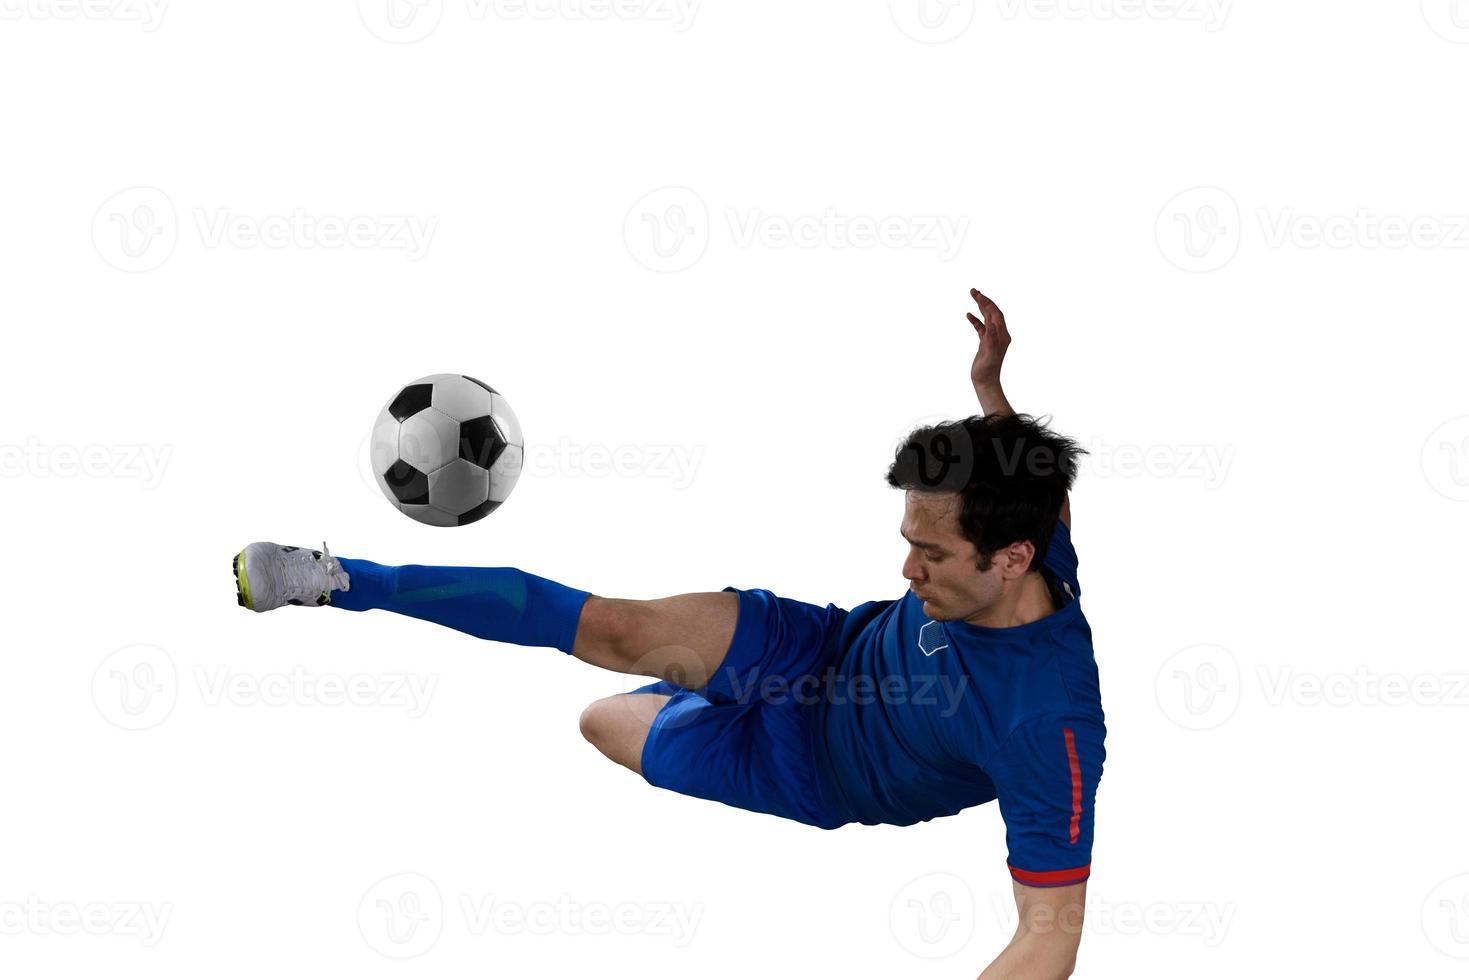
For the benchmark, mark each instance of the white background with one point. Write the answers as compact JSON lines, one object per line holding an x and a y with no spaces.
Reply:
{"x":1271,"y":525}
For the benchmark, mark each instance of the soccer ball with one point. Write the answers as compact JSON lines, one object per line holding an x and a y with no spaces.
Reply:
{"x":447,"y":450}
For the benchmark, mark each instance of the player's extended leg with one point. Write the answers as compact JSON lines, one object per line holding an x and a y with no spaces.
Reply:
{"x":682,"y":638}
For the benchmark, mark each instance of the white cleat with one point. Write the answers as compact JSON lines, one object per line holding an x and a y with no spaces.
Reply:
{"x":268,"y":576}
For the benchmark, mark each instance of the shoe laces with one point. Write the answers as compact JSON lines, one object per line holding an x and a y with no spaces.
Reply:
{"x":308,"y":578}
{"x":335,"y":573}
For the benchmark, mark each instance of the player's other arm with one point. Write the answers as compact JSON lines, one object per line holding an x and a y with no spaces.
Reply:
{"x":1046,"y":937}
{"x":994,"y":340}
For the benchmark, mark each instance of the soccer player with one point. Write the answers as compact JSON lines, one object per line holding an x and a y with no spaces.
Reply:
{"x":978,"y":684}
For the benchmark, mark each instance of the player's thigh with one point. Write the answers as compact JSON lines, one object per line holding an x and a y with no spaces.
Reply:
{"x":682,"y":638}
{"x":618,"y":726}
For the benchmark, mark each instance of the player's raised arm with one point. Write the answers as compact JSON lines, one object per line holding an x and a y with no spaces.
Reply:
{"x":994,"y":340}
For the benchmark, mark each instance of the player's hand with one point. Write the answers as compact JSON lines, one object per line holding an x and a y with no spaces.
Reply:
{"x":994,"y":340}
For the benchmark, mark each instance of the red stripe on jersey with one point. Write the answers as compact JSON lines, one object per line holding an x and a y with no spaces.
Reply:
{"x":1075,"y":784}
{"x":1051,"y":879}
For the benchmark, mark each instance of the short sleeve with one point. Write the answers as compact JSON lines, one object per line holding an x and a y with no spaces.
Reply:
{"x":1061,"y":557}
{"x":1046,"y":777}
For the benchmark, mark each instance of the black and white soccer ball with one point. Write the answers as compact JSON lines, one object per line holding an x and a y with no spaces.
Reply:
{"x":447,"y":450}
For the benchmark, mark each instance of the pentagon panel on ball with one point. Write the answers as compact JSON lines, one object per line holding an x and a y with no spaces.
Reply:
{"x":447,"y":450}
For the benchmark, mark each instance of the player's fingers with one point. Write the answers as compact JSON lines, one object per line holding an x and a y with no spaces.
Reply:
{"x":979,"y":298}
{"x":993,"y":315}
{"x":986,"y":305}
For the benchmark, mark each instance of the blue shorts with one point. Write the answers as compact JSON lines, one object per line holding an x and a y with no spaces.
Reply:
{"x":746,"y":738}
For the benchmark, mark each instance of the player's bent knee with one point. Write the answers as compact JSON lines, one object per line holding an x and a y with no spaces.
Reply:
{"x":592,"y":724}
{"x":618,"y":726}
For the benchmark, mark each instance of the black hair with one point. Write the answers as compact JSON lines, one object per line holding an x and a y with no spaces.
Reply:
{"x":1011,"y":471}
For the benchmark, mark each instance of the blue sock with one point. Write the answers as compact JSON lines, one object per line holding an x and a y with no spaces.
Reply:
{"x":502,"y":604}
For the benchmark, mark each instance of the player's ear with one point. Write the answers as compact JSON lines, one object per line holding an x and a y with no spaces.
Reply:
{"x":1018,"y":558}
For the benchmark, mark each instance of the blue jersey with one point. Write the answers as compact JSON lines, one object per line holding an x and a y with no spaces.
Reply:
{"x":924,"y":718}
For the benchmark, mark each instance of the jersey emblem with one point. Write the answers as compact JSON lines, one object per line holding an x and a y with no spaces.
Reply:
{"x":930,"y":638}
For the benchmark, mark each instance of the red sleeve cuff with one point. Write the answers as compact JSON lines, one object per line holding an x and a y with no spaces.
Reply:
{"x":1051,"y":879}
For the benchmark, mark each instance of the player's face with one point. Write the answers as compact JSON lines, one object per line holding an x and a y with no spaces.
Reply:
{"x":941,"y":561}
